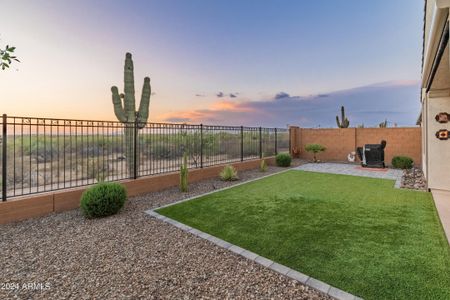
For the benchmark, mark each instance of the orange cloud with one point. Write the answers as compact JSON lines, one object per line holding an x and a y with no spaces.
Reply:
{"x":230,"y":106}
{"x":197,"y":116}
{"x":194,"y":116}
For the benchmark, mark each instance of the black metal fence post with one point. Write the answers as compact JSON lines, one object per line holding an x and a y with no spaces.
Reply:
{"x":83,"y":152}
{"x":276,"y":142}
{"x":260,"y":142}
{"x":135,"y":160}
{"x":242,"y":143}
{"x":4,"y":161}
{"x":201,"y":145}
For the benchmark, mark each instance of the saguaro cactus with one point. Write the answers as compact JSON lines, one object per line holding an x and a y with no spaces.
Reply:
{"x":345,"y":122}
{"x":126,"y":113}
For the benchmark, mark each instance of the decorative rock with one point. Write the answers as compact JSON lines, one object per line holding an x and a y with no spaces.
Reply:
{"x":414,"y":179}
{"x":132,"y":255}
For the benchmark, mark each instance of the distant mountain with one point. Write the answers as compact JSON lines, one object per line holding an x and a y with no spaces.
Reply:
{"x":398,"y":102}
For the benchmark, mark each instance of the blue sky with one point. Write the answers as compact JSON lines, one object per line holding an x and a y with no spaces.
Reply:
{"x":73,"y":51}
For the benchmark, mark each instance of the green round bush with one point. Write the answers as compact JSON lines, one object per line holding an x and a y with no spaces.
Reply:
{"x":283,"y":160}
{"x":103,"y":199}
{"x":402,"y":162}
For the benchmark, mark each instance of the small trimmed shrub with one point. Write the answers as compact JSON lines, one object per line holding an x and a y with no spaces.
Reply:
{"x":263,"y":166}
{"x":315,"y":148}
{"x":283,"y":160}
{"x":402,"y":162}
{"x":103,"y":199}
{"x":229,"y":173}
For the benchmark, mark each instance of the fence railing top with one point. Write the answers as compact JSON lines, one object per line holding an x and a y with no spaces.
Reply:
{"x":11,"y":120}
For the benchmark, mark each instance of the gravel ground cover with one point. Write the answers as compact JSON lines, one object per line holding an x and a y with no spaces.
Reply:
{"x":129,"y":256}
{"x":413,"y":179}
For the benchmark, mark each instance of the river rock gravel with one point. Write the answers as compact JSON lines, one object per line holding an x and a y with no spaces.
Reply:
{"x":131,"y":256}
{"x":414,"y":179}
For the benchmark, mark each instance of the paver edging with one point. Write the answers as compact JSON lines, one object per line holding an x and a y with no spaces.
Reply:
{"x":263,"y":261}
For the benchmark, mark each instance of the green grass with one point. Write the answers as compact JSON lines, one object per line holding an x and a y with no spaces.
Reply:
{"x":358,"y":234}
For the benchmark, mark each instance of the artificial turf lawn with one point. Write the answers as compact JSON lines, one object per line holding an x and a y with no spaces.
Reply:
{"x":358,"y":234}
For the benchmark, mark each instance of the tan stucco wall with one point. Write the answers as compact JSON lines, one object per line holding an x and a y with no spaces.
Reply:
{"x":438,"y":152}
{"x":340,"y":142}
{"x":424,"y":134}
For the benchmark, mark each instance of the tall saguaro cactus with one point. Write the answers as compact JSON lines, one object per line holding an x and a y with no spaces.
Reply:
{"x":125,"y":111}
{"x":345,"y":123}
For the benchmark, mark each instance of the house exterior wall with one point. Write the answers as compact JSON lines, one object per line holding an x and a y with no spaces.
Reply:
{"x":435,"y":95}
{"x":424,"y":128}
{"x":437,"y":151}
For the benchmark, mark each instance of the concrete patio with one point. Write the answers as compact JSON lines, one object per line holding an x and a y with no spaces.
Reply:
{"x":354,"y":170}
{"x":442,"y":202}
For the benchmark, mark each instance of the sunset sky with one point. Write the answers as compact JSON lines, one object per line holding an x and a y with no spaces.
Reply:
{"x":224,"y":62}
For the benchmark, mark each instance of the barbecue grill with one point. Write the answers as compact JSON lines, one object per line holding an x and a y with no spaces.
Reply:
{"x":372,"y":155}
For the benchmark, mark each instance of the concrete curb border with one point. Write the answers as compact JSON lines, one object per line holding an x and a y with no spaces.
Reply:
{"x":265,"y":262}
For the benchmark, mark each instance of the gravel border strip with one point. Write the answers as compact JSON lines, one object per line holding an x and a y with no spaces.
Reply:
{"x":265,"y":262}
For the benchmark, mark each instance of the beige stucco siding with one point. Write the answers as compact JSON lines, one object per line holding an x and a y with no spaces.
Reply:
{"x":438,"y":152}
{"x":424,"y":136}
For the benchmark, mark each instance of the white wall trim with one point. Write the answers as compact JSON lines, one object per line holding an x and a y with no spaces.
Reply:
{"x":432,"y":42}
{"x":439,"y":93}
{"x":443,"y":3}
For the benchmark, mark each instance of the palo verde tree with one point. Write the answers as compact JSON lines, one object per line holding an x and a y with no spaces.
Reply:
{"x":125,"y":111}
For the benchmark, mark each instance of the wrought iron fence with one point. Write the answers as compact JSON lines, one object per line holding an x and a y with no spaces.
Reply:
{"x":44,"y":154}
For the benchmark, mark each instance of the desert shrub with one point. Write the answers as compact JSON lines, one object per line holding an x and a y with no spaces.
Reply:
{"x":165,"y":151}
{"x":283,"y":160}
{"x":103,"y":199}
{"x":263,"y":166}
{"x":97,"y":169}
{"x":229,"y":173}
{"x":315,"y":148}
{"x":43,"y":149}
{"x":184,"y":174}
{"x":402,"y":162}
